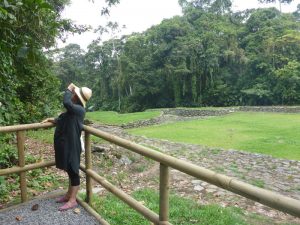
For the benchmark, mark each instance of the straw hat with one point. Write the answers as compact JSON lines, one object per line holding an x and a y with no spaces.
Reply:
{"x":84,"y":94}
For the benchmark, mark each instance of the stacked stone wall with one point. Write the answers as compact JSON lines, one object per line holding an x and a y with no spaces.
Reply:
{"x":178,"y":114}
{"x":198,"y":112}
{"x":279,"y":109}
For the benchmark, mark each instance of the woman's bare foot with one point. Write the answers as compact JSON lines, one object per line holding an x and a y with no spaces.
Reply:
{"x":68,"y":205}
{"x":62,"y":199}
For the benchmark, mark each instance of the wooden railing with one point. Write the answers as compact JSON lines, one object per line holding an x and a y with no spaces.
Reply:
{"x":266,"y":197}
{"x":22,"y":168}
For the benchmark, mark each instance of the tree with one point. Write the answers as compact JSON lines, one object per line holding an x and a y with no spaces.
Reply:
{"x":279,"y":2}
{"x":29,"y":89}
{"x":26,"y":28}
{"x":70,"y":66}
{"x":288,"y":83}
{"x":271,"y":41}
{"x":215,"y":6}
{"x":207,"y":57}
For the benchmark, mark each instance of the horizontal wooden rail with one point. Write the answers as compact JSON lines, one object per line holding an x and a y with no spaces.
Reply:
{"x":269,"y":198}
{"x":123,"y":196}
{"x":33,"y":166}
{"x":31,"y":126}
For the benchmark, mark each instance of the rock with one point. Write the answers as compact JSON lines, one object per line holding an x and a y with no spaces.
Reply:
{"x":198,"y":188}
{"x":87,"y":122}
{"x":77,"y":210}
{"x":204,"y":183}
{"x":210,"y":190}
{"x":219,"y":193}
{"x":196,"y":181}
{"x":35,"y":207}
{"x":97,"y":190}
{"x":99,"y":148}
{"x":196,"y":112}
{"x":19,"y":218}
{"x":124,"y":160}
{"x":117,"y":155}
{"x":34,"y":193}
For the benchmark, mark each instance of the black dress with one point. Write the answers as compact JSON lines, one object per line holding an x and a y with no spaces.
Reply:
{"x":67,"y":143}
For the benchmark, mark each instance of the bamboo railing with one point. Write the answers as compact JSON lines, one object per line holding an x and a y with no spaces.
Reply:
{"x":22,"y":168}
{"x":266,"y":197}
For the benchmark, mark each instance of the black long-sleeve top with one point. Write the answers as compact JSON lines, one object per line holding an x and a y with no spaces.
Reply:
{"x":67,"y":143}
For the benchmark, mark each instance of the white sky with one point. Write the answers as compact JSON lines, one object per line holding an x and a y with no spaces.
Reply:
{"x":137,"y":15}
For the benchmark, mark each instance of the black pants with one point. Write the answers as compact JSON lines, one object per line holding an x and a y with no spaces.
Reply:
{"x":74,"y":178}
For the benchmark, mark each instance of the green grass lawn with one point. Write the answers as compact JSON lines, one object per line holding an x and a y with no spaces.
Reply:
{"x":114,"y":118}
{"x":105,"y":117}
{"x":268,"y":133}
{"x":47,"y":136}
{"x":44,"y":135}
{"x":183,"y":211}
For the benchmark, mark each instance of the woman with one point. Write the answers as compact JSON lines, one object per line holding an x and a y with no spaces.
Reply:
{"x":67,"y":143}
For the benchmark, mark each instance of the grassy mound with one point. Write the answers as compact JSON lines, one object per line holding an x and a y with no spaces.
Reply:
{"x":114,"y":118}
{"x":274,"y":134}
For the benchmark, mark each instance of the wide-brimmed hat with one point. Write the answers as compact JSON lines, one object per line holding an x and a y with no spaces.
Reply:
{"x":84,"y":94}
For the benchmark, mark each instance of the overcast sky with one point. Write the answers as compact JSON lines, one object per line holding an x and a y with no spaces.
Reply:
{"x":136,"y":15}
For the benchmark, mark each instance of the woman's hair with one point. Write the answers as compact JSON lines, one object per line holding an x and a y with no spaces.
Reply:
{"x":78,"y":102}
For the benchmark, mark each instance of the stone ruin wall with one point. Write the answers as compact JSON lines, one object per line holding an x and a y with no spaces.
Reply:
{"x":179,"y":114}
{"x":224,"y":111}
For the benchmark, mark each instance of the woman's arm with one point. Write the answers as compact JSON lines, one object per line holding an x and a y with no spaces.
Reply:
{"x":67,"y":101}
{"x":51,"y":120}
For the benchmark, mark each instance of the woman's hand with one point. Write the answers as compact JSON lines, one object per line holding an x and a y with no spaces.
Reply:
{"x":71,"y":87}
{"x":51,"y":120}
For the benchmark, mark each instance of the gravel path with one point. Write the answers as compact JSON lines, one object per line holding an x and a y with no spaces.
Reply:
{"x":47,"y":213}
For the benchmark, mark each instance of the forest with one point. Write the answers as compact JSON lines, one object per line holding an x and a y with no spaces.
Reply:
{"x":209,"y":56}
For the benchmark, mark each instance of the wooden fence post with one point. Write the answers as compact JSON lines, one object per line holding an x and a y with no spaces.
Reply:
{"x":163,"y":194}
{"x":88,"y":165}
{"x":21,"y":157}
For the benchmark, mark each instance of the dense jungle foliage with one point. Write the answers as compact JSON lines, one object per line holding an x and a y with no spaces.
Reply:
{"x":210,"y":56}
{"x":25,"y":73}
{"x":29,"y":88}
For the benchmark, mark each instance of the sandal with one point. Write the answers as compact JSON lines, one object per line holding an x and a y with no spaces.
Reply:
{"x":67,"y":206}
{"x":62,"y":199}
